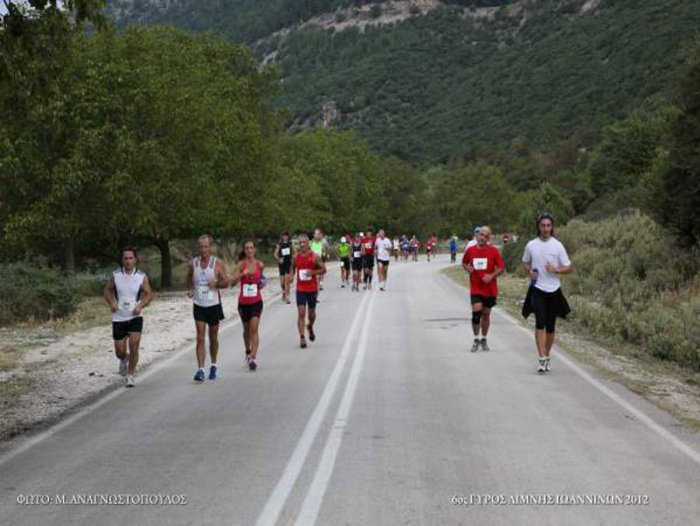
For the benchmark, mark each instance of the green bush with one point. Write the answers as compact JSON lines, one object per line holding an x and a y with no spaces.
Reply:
{"x":29,"y":292}
{"x":632,"y":284}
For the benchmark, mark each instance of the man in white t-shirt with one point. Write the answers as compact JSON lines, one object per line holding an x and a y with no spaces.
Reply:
{"x":545,"y":258}
{"x":383,"y":248}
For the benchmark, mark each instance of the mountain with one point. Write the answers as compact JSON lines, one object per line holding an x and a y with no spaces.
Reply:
{"x":427,"y":80}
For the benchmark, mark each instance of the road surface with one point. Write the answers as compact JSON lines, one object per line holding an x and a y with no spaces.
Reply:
{"x":387,"y":419}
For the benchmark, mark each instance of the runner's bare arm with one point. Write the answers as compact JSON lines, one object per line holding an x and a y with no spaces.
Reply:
{"x":223,"y":280}
{"x":319,"y":266}
{"x":109,"y":294}
{"x":147,"y":298}
{"x":190,"y":281}
{"x":565,"y":269}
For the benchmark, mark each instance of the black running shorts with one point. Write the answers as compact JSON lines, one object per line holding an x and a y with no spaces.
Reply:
{"x":248,"y":312}
{"x":209,"y":315}
{"x":307,"y":298}
{"x":487,"y":301}
{"x":122,"y":329}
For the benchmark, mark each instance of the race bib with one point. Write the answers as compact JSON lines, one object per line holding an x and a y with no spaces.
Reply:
{"x":286,"y":251}
{"x":305,"y":275}
{"x":250,"y":290}
{"x":368,"y":246}
{"x":342,"y":239}
{"x":205,"y":293}
{"x":480,"y":263}
{"x":127,"y":305}
{"x":356,"y":254}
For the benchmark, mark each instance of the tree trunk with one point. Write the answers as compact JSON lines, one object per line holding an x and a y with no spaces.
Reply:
{"x":69,"y":257}
{"x":166,"y":265}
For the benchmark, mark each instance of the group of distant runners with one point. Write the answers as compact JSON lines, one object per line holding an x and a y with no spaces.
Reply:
{"x":128,"y":291}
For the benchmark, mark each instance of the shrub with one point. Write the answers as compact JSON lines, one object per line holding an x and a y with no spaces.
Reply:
{"x":40,"y":293}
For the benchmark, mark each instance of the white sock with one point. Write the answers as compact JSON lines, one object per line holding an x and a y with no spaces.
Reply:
{"x":213,"y":365}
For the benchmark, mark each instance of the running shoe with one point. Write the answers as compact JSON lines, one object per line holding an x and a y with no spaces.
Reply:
{"x":546,"y":365}
{"x":199,"y":375}
{"x":252,"y":364}
{"x":312,"y":334}
{"x":124,"y":365}
{"x":129,"y":381}
{"x":302,"y":342}
{"x":213,"y":372}
{"x":485,"y":346}
{"x":475,"y":346}
{"x":541,"y":367}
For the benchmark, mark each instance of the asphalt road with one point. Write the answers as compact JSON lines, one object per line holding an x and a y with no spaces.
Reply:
{"x":386,"y":419}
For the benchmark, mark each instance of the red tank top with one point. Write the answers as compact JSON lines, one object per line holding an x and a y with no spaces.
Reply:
{"x":306,"y":282}
{"x":250,"y":286}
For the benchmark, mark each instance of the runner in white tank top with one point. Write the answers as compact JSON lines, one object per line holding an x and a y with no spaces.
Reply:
{"x":127,"y":292}
{"x":205,"y":279}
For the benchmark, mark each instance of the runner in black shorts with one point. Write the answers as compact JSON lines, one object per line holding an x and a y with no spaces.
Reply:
{"x":356,"y":260}
{"x":205,"y":278}
{"x":284,"y":252}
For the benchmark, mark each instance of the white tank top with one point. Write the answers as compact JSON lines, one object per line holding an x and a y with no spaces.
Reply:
{"x":127,"y":292}
{"x":203,"y":295}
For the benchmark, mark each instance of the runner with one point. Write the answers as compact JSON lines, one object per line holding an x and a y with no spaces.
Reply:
{"x":249,"y":273}
{"x":405,"y":247}
{"x":308,"y":267}
{"x":384,"y":247}
{"x":284,"y":252}
{"x":128,"y":292}
{"x":319,"y":246}
{"x":415,"y":248}
{"x":368,"y":257}
{"x":396,"y":247}
{"x":544,"y":259}
{"x":453,"y":249}
{"x":356,"y":258}
{"x":431,"y":246}
{"x":205,"y":278}
{"x":484,"y":264}
{"x":344,"y":250}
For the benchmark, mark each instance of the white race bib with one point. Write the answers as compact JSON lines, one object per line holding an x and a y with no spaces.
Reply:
{"x":127,"y":305}
{"x":356,"y":255}
{"x":305,"y":275}
{"x":480,"y":263}
{"x":368,"y":246}
{"x":205,"y":293}
{"x":250,"y":290}
{"x":286,"y":251}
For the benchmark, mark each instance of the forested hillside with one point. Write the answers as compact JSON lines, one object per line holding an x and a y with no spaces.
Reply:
{"x":455,"y":76}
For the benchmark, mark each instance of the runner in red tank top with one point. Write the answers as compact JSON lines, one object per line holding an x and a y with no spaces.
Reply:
{"x":308,"y":267}
{"x":249,"y":273}
{"x":368,"y":242}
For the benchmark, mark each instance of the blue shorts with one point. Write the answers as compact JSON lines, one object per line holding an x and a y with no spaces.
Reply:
{"x":307,"y":298}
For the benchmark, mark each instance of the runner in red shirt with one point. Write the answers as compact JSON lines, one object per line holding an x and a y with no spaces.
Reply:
{"x":368,"y":242}
{"x":308,"y":267}
{"x":484,"y":263}
{"x":249,"y":273}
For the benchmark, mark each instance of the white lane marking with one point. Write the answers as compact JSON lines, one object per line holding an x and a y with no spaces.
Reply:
{"x":314,"y":498}
{"x":278,"y":498}
{"x":640,"y":415}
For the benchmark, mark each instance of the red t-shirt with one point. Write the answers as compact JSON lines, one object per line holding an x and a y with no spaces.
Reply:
{"x":368,"y":245}
{"x":484,"y":261}
{"x":305,"y":281}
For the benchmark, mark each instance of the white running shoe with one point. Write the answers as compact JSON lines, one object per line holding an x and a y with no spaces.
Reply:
{"x":129,"y":381}
{"x":541,"y":367}
{"x":546,"y":365}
